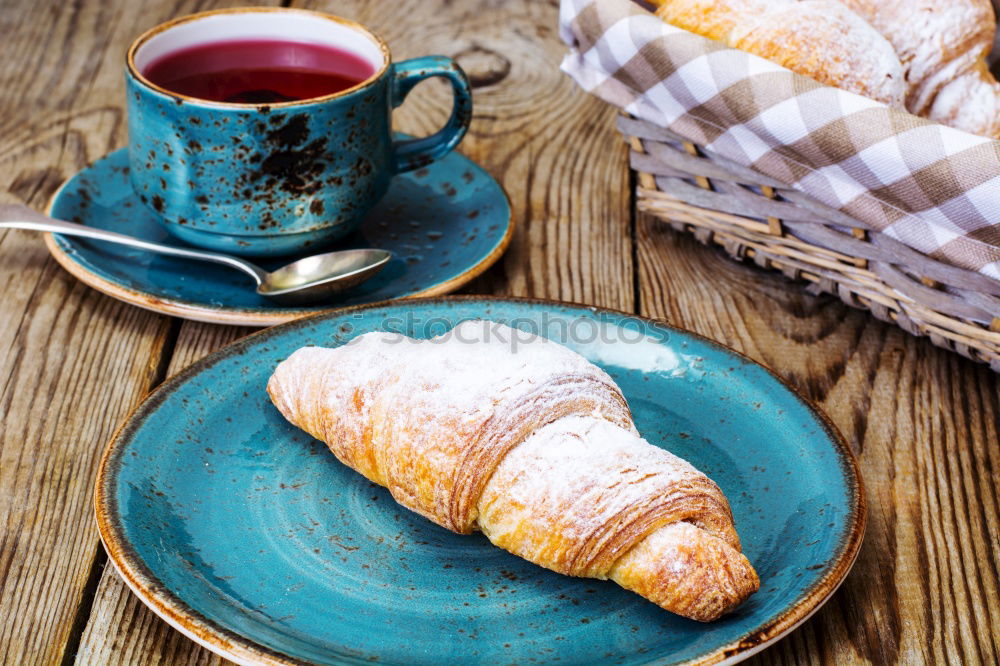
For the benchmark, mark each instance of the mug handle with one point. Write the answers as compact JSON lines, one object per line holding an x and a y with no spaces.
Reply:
{"x":415,"y":153}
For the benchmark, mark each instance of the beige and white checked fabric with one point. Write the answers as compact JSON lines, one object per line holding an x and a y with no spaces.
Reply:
{"x":932,"y":187}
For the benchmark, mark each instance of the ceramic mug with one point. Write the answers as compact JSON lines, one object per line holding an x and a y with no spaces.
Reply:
{"x":285,"y":177}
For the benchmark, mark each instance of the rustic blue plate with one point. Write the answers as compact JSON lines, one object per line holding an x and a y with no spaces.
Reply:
{"x":248,"y":536}
{"x":445,"y":224}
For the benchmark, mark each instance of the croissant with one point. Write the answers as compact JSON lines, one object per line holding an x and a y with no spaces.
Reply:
{"x":927,"y":56}
{"x":943,"y":46}
{"x":821,"y":39}
{"x":517,"y":436}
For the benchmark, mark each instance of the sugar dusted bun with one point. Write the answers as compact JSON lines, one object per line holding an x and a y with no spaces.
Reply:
{"x":942,"y":45}
{"x":927,"y":56}
{"x":970,"y":102}
{"x":821,"y":39}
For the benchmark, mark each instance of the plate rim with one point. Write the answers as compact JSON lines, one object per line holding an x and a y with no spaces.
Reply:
{"x":208,"y":633}
{"x":239,"y":316}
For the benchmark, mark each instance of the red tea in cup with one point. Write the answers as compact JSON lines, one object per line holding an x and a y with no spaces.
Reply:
{"x":258,"y":71}
{"x":267,"y":131}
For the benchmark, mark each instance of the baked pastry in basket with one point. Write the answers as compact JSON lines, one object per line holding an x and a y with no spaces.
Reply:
{"x":927,"y":56}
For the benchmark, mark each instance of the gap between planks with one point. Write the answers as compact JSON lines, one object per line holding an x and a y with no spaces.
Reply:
{"x":100,"y":559}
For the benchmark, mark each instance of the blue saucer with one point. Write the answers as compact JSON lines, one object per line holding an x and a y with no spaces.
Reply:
{"x":250,"y":537}
{"x":445,"y":224}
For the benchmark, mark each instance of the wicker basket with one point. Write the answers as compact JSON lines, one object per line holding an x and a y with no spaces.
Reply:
{"x":754,"y":217}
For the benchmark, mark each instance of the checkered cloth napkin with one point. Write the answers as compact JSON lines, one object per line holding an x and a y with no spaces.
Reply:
{"x":931,"y":187}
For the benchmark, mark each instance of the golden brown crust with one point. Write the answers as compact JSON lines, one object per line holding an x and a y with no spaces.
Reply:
{"x":537,"y":449}
{"x":688,"y":571}
{"x":820,"y":39}
{"x":580,"y":492}
{"x":584,"y":497}
{"x":431,"y":421}
{"x":927,"y":56}
{"x":943,"y":46}
{"x":715,"y":20}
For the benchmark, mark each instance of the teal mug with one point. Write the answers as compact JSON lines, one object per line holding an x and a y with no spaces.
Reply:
{"x":266,"y":178}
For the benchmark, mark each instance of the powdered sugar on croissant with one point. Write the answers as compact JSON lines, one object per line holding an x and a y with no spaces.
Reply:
{"x":486,"y":428}
{"x":431,"y":419}
{"x":942,"y":45}
{"x":927,"y":56}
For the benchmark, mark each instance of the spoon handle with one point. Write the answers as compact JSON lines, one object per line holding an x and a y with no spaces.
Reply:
{"x":14,"y":216}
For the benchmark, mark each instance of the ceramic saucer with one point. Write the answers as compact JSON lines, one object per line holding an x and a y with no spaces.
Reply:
{"x":445,"y":224}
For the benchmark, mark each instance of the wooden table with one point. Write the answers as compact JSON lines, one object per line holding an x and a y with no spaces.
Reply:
{"x":924,"y":422}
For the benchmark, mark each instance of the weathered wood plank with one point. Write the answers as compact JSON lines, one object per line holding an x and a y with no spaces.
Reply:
{"x":73,"y":361}
{"x":533,"y":130}
{"x":550,"y":145}
{"x":121,"y":630}
{"x":924,"y":423}
{"x":75,"y":365}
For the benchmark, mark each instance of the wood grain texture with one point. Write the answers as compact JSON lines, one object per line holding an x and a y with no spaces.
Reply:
{"x":551,"y":146}
{"x":121,"y":629}
{"x":924,"y":422}
{"x":74,"y":362}
{"x":925,"y":425}
{"x":573,"y":230}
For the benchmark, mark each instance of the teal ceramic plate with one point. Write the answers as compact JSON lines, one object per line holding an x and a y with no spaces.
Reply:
{"x":445,"y":224}
{"x":250,"y":537}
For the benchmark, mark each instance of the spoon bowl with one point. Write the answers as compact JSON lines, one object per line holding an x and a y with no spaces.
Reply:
{"x":322,"y":276}
{"x":310,"y":280}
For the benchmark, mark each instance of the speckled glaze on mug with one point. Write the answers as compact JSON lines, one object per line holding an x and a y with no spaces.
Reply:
{"x":273,"y":179}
